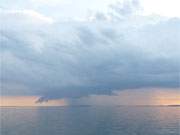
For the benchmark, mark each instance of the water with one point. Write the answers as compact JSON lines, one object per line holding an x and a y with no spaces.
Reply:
{"x":90,"y":121}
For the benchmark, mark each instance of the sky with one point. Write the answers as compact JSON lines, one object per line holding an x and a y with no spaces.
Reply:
{"x":59,"y":52}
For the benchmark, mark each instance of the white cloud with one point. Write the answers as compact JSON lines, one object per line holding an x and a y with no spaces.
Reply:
{"x":25,"y":15}
{"x":168,"y":8}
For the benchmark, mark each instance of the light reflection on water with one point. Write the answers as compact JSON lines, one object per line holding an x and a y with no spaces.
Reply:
{"x":90,"y":121}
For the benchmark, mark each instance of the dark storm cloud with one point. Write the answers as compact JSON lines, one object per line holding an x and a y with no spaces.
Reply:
{"x":75,"y":59}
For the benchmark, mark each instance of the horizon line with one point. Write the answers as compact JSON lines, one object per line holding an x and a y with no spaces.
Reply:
{"x":175,"y":105}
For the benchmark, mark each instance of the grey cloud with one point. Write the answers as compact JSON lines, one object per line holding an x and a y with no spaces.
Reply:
{"x":125,"y":8}
{"x":76,"y":59}
{"x":41,"y":100}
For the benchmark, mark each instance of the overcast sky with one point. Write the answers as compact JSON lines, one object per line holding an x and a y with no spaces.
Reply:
{"x":70,"y":49}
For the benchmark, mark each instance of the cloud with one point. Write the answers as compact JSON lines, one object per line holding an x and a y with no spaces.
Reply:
{"x":41,"y":100}
{"x":24,"y":16}
{"x":76,"y":59}
{"x":147,"y":96}
{"x":126,"y":8}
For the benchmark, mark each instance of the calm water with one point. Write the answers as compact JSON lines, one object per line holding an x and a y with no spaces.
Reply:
{"x":90,"y":121}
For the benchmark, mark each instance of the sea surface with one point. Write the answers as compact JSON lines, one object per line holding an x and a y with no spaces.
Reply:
{"x":90,"y":120}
